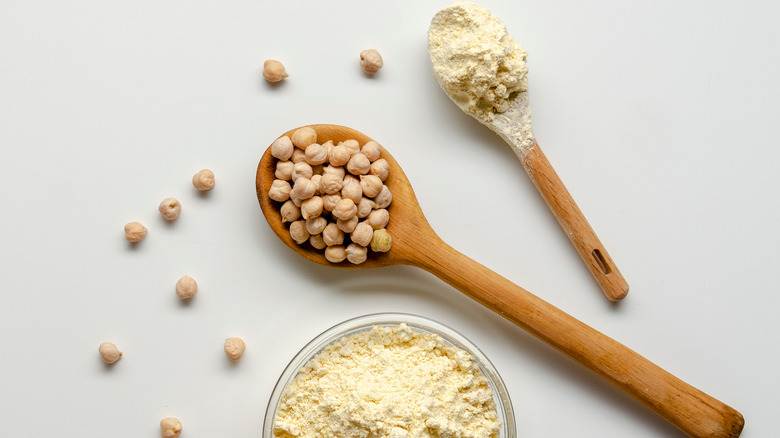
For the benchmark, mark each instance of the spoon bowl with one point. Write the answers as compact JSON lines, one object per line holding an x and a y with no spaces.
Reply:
{"x":415,"y":243}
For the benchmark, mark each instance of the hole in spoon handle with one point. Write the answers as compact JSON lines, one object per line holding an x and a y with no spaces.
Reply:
{"x":603,"y":265}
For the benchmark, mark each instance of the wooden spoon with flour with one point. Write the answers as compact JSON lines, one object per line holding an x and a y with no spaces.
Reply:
{"x":482,"y":69}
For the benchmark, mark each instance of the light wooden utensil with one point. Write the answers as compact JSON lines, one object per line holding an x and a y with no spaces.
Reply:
{"x":416,"y":244}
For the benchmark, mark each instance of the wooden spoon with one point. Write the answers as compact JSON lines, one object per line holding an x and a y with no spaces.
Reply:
{"x":416,"y":244}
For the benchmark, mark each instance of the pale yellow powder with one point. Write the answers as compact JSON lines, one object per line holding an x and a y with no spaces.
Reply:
{"x":388,"y":382}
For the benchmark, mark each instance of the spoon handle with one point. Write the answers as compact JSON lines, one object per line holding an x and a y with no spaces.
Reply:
{"x":573,"y":222}
{"x":692,"y":411}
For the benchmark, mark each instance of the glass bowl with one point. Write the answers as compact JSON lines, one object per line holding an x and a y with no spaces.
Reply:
{"x":417,"y":323}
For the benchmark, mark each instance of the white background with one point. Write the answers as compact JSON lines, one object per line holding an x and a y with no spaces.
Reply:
{"x":660,"y":117}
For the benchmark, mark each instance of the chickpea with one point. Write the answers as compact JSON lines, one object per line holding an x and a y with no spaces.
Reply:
{"x":381,"y":242}
{"x":290,"y":212}
{"x":351,"y":189}
{"x":378,"y":218}
{"x":345,"y":209}
{"x":186,"y":287}
{"x":371,"y":150}
{"x":352,"y":145}
{"x":273,"y":70}
{"x":338,"y":170}
{"x":380,"y":168}
{"x":328,"y":146}
{"x":371,"y":185}
{"x":303,"y":189}
{"x":331,"y":183}
{"x":311,"y":207}
{"x":335,"y":253}
{"x":170,"y":208}
{"x":234,"y":348}
{"x":331,"y":235}
{"x":362,"y":234}
{"x":135,"y":232}
{"x":298,"y":156}
{"x":298,"y":231}
{"x":339,"y":155}
{"x":364,"y":208}
{"x":356,"y":254}
{"x":347,"y":225}
{"x":316,"y":225}
{"x":203,"y":180}
{"x":329,"y":201}
{"x":284,"y":170}
{"x":296,"y":200}
{"x":384,"y":198}
{"x":371,"y":61}
{"x":280,"y":190}
{"x":303,"y":137}
{"x":282,"y":148}
{"x":317,"y":241}
{"x":316,"y":180}
{"x":316,"y":154}
{"x":109,"y":352}
{"x":358,"y":164}
{"x":302,"y":169}
{"x":170,"y":427}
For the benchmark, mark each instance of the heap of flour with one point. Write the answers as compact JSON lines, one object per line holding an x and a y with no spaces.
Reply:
{"x":388,"y":382}
{"x":475,"y":60}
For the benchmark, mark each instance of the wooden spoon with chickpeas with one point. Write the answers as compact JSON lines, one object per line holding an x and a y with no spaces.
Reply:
{"x":415,"y":243}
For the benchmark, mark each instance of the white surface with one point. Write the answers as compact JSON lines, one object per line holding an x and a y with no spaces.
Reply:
{"x":660,"y":117}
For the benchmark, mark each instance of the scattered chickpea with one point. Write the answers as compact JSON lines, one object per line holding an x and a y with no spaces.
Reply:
{"x":345,"y":209}
{"x":329,"y":201}
{"x":303,"y":137}
{"x":381,"y":241}
{"x":316,"y":225}
{"x":335,"y":253}
{"x":378,"y":218}
{"x":311,"y":207}
{"x":356,"y":254}
{"x":282,"y":148}
{"x":302,"y":169}
{"x":316,"y":154}
{"x":371,"y":61}
{"x":135,"y":232}
{"x":332,"y":235}
{"x":358,"y":164}
{"x":203,"y":180}
{"x":273,"y":70}
{"x":284,"y":170}
{"x":234,"y":348}
{"x":298,"y":156}
{"x":317,"y":241}
{"x":170,"y":427}
{"x":298,"y":232}
{"x":364,"y":207}
{"x":371,"y":185}
{"x":109,"y":352}
{"x":280,"y":190}
{"x":347,"y":225}
{"x":371,"y":150}
{"x":362,"y":234}
{"x":290,"y":211}
{"x":186,"y":287}
{"x":339,"y":155}
{"x":303,"y":189}
{"x":380,"y":168}
{"x":351,"y":189}
{"x":384,"y":198}
{"x":170,"y":208}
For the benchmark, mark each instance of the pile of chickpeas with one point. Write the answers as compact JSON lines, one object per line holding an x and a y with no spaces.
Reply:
{"x":333,"y":196}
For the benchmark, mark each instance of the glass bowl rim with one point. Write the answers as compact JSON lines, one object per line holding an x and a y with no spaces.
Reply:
{"x":419,"y":323}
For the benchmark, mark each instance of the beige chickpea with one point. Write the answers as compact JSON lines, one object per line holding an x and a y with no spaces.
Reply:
{"x":378,"y":218}
{"x":345,"y":209}
{"x":380,"y":168}
{"x":329,"y":201}
{"x":302,"y":169}
{"x":371,"y":185}
{"x":169,"y":208}
{"x":282,"y":148}
{"x":203,"y":180}
{"x":316,"y":154}
{"x":234,"y":348}
{"x":303,"y":137}
{"x":381,"y":241}
{"x":316,"y":179}
{"x":317,"y":241}
{"x":273,"y":70}
{"x":356,"y":254}
{"x":298,"y":156}
{"x":331,"y":235}
{"x":335,"y":253}
{"x":352,"y":145}
{"x":290,"y":212}
{"x":316,"y":225}
{"x":297,"y":201}
{"x":339,"y":155}
{"x":347,"y":225}
{"x":371,"y":61}
{"x":328,"y":146}
{"x":338,"y":170}
{"x":186,"y":287}
{"x":331,"y":183}
{"x":311,"y":207}
{"x":109,"y":352}
{"x":383,"y":198}
{"x":358,"y":164}
{"x":280,"y":190}
{"x":298,"y":231}
{"x":351,"y":189}
{"x":284,"y":170}
{"x":170,"y":427}
{"x":135,"y":232}
{"x":364,"y":207}
{"x":371,"y":150}
{"x":362,"y":234}
{"x":303,"y":189}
